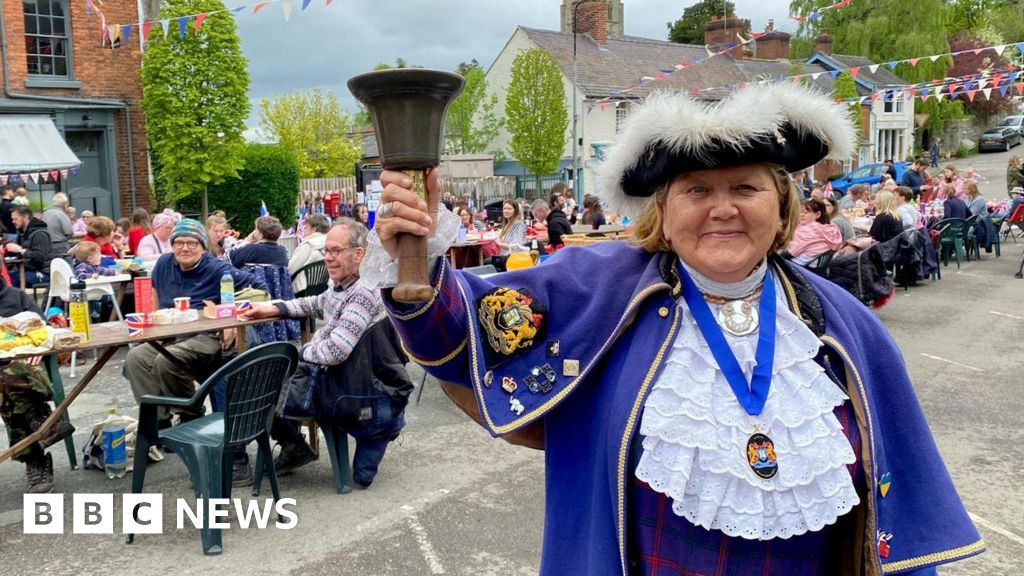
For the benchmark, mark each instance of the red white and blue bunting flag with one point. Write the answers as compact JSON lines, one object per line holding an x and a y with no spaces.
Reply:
{"x":47,"y":176}
{"x":816,"y":15}
{"x":989,"y":83}
{"x":117,"y":35}
{"x":623,"y":94}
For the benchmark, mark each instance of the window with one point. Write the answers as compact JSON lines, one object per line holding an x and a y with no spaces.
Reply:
{"x":621,"y":112}
{"x":893,"y":101}
{"x":46,"y":37}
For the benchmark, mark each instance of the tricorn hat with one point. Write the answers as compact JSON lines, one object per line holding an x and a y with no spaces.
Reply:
{"x":787,"y":124}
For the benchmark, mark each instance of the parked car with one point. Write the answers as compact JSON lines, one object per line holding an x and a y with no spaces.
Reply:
{"x":1016,"y":122}
{"x":999,"y":138}
{"x":867,"y":174}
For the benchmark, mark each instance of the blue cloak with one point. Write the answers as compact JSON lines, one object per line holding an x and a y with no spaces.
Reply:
{"x":600,"y":320}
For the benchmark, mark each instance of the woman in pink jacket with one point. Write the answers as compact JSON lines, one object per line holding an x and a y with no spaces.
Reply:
{"x":814,"y":234}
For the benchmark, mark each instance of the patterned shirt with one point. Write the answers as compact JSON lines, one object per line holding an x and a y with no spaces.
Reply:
{"x":348,"y":312}
{"x":84,"y":270}
{"x":664,"y":544}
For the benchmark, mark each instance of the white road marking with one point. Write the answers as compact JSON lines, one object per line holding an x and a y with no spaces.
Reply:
{"x":424,"y":542}
{"x":976,"y":369}
{"x":1006,"y":315}
{"x":1001,"y":531}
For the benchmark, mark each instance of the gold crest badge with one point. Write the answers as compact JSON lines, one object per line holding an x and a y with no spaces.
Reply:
{"x":508,"y":320}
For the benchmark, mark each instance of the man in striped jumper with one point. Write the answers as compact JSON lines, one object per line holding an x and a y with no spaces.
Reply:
{"x":348,"y":310}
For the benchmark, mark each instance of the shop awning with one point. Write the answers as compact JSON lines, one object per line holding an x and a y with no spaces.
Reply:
{"x":32,"y":144}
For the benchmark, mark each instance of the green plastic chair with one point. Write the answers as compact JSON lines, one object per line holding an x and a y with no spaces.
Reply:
{"x":951,"y":239}
{"x":970,"y":241}
{"x":252,"y":384}
{"x":316,"y":284}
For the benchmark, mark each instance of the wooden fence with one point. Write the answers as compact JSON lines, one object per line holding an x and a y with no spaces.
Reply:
{"x":480,"y":190}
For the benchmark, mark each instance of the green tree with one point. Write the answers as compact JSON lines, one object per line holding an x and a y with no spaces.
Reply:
{"x":314,"y":127}
{"x":194,"y":98}
{"x":535,"y":112}
{"x":846,"y":87}
{"x":269,"y":174}
{"x":881,"y":30}
{"x":471,"y":123}
{"x":689,"y":29}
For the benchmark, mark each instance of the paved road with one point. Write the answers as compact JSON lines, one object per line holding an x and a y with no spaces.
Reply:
{"x":449,"y":500}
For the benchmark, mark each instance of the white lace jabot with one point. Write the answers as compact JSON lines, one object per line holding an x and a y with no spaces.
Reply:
{"x":695,"y":437}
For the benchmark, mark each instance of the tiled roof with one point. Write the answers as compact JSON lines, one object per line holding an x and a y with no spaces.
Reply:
{"x":882,"y":76}
{"x":604,"y":70}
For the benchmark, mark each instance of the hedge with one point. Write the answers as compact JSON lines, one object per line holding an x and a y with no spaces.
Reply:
{"x":270,"y":175}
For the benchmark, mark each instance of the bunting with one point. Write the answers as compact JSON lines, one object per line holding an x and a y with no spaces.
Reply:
{"x":116,"y":35}
{"x":816,"y":15}
{"x":854,"y":71}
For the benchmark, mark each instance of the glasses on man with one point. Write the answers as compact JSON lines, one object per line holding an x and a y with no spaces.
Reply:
{"x":335,"y":252}
{"x":190,"y":244}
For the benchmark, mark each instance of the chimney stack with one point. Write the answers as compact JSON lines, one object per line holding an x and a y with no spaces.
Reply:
{"x":823,"y":43}
{"x":725,"y":31}
{"x":592,"y":19}
{"x":773,"y":44}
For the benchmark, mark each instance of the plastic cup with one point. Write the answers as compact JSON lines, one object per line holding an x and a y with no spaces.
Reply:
{"x":181,"y":303}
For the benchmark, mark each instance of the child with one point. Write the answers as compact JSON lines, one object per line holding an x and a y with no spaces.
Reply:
{"x":87,"y":266}
{"x":87,"y":261}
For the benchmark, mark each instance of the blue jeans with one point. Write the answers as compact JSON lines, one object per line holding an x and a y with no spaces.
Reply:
{"x":31,"y":277}
{"x":372,"y":439}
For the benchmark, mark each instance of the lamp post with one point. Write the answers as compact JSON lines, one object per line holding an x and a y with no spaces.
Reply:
{"x":575,"y":139}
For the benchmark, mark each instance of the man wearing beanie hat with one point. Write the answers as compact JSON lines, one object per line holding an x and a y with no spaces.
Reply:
{"x":187,"y":271}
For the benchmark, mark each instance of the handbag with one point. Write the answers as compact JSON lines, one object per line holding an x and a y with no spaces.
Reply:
{"x":298,"y":395}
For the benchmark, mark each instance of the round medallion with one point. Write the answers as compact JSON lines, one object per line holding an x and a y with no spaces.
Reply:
{"x":738,"y":317}
{"x":761,"y":456}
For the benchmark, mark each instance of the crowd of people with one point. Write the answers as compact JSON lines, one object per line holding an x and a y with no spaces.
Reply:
{"x":187,"y":258}
{"x":919,"y":201}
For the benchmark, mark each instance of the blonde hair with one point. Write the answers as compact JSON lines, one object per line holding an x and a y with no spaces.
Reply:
{"x":885,"y":203}
{"x":1015,"y":162}
{"x":85,"y":250}
{"x":972,"y":189}
{"x":648,"y":230}
{"x":214,"y":220}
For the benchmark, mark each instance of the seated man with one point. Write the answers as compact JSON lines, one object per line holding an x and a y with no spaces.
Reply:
{"x":187,"y":271}
{"x":33,"y":244}
{"x":351,"y":312}
{"x":24,"y":401}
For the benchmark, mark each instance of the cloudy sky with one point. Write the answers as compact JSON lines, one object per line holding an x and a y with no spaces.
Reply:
{"x":326,"y":45}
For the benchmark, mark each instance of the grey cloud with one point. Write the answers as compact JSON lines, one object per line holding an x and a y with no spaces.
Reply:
{"x":325,"y":46}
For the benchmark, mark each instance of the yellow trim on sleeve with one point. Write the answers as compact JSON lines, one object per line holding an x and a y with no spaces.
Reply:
{"x":945,"y":555}
{"x":426,"y":305}
{"x":444,"y":360}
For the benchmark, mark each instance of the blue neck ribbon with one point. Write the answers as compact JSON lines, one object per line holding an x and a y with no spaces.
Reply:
{"x":753,"y":396}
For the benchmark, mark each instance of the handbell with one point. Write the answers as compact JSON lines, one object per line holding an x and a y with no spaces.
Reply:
{"x":408,"y":106}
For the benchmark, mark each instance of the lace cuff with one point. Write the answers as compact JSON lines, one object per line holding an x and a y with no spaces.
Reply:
{"x":379,"y":270}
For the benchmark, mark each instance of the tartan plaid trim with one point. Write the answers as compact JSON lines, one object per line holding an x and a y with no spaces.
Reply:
{"x":662,"y":543}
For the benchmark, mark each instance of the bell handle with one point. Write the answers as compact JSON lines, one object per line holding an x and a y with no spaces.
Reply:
{"x":413,"y":278}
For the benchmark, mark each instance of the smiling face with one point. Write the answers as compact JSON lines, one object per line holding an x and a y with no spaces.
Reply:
{"x":508,"y":210}
{"x":341,"y":259}
{"x":187,"y":251}
{"x":723,"y":221}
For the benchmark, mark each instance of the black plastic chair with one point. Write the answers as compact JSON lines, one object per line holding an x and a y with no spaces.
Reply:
{"x":252,"y":384}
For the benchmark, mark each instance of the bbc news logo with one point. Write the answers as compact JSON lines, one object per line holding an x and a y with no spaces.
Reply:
{"x":144,"y":513}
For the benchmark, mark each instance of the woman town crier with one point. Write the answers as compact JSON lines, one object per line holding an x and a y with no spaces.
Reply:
{"x":704,"y":406}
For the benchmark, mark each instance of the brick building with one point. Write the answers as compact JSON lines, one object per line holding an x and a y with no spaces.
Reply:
{"x":55,"y":67}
